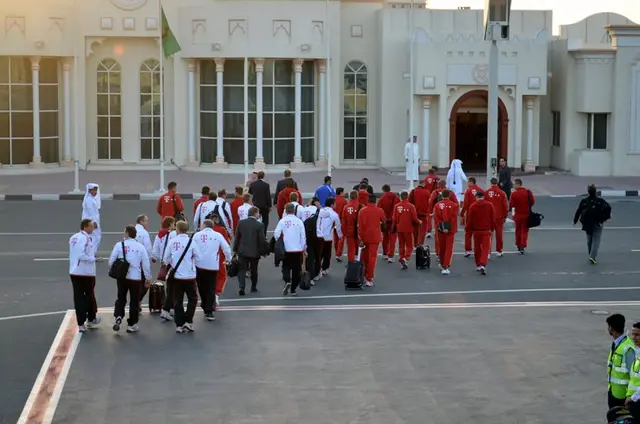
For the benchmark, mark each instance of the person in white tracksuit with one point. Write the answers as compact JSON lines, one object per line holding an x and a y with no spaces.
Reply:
{"x":457,"y":179}
{"x":91,"y":210}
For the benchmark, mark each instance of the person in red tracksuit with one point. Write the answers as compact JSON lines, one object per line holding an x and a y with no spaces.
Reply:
{"x":283,"y":196}
{"x":205,"y":196}
{"x":404,"y":221}
{"x":498,"y":199}
{"x":481,"y":221}
{"x":431,"y":181}
{"x":234,"y":205}
{"x":445,"y":215}
{"x":469,"y":199}
{"x":419,"y":198}
{"x":221,"y":281}
{"x":170,"y":203}
{"x":341,"y":202}
{"x":348,"y":222}
{"x":442,"y":185}
{"x":521,"y":202}
{"x":387,"y":202}
{"x":371,"y":220}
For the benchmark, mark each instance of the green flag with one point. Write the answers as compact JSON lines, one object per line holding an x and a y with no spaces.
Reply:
{"x":170,"y":44}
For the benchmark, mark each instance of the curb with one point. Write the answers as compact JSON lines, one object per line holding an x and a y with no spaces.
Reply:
{"x":191,"y":196}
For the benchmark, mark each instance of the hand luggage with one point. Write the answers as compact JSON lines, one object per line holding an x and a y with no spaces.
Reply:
{"x":305,"y":277}
{"x":423,"y":257}
{"x":156,"y":297}
{"x":354,"y":275}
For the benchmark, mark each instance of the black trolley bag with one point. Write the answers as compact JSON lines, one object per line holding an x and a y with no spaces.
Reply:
{"x":156,"y":297}
{"x":354,"y":275}
{"x":423,"y":257}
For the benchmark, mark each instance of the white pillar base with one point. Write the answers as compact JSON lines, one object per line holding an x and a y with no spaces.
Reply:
{"x":192,"y":163}
{"x":220,"y":163}
{"x":321,"y":163}
{"x":67,"y":163}
{"x":259,"y":165}
{"x":297,"y":163}
{"x":529,"y":166}
{"x":425,"y":166}
{"x":36,"y":162}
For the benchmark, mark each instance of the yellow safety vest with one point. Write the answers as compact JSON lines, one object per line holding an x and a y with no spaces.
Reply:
{"x":617,"y":369}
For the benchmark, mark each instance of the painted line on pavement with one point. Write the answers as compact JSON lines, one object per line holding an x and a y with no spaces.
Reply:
{"x":45,"y":394}
{"x":69,"y":234}
{"x":40,"y":314}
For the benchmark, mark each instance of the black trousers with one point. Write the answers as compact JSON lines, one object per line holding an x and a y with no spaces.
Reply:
{"x":265,"y":219}
{"x":84,"y":298}
{"x":143,"y":290}
{"x":325,"y":253}
{"x":132,"y":287}
{"x":292,"y":269}
{"x":206,"y":280}
{"x":613,"y":401}
{"x":634,"y":409}
{"x":245,"y":264}
{"x":180,"y":289}
{"x":313,"y":258}
{"x":169,"y":296}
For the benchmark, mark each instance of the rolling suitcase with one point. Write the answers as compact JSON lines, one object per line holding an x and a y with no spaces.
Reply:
{"x":423,"y":257}
{"x":354,"y":276}
{"x":156,"y":297}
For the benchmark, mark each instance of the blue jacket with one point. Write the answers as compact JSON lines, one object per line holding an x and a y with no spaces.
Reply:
{"x":324,"y":192}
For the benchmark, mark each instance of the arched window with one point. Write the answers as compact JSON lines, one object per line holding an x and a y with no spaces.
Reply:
{"x":109,"y":110}
{"x":355,"y":111}
{"x":150,"y":116}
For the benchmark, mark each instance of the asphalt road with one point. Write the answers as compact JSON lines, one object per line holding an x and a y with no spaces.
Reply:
{"x":35,"y":281}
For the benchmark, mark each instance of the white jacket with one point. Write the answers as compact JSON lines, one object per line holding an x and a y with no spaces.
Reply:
{"x":210,"y":242}
{"x":292,"y":230}
{"x":202,"y":211}
{"x":187,"y":268}
{"x":226,"y":219}
{"x":82,"y":261}
{"x":159,"y":243}
{"x":142,"y":237}
{"x":327,"y":221}
{"x":137,"y":257}
{"x":243,"y":211}
{"x":306,"y":212}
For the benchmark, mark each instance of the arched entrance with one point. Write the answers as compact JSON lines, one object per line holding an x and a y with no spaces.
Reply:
{"x":468,"y":130}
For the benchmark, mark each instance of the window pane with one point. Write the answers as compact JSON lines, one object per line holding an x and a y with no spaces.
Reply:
{"x":307,"y":102}
{"x":361,"y":83}
{"x":22,"y":151}
{"x":284,"y":125}
{"x":156,"y":126}
{"x":5,"y":149}
{"x":253,"y":148}
{"x":4,"y":126}
{"x":600,"y":131}
{"x":284,"y":151}
{"x":308,"y":72}
{"x":145,"y":82}
{"x":103,"y":82}
{"x":21,"y":70}
{"x":207,"y":72}
{"x":208,"y":98}
{"x":349,"y":83}
{"x":361,"y":105}
{"x":145,"y":148}
{"x":233,"y":99}
{"x":361,"y":148}
{"x":267,"y":151}
{"x":252,"y":126}
{"x":233,"y":125}
{"x":208,"y":124}
{"x":4,"y":97}
{"x":48,"y":73}
{"x":233,"y":151}
{"x":589,"y":131}
{"x":48,"y":124}
{"x":267,"y":99}
{"x":349,"y":105}
{"x":349,"y":128}
{"x":22,"y":124}
{"x":267,"y":126}
{"x":156,"y":148}
{"x":103,"y":148}
{"x":114,"y":82}
{"x":146,"y":104}
{"x":361,"y":127}
{"x":49,"y":150}
{"x":284,"y":99}
{"x":251,"y":75}
{"x":349,"y":148}
{"x":208,"y":150}
{"x":267,"y":76}
{"x":21,"y":97}
{"x":283,"y":72}
{"x":307,"y":150}
{"x":48,"y":97}
{"x":233,"y":72}
{"x":4,"y":77}
{"x":103,"y":127}
{"x":116,"y":127}
{"x":116,"y":149}
{"x":145,"y":127}
{"x":103,"y":104}
{"x":252,"y":98}
{"x":308,"y":124}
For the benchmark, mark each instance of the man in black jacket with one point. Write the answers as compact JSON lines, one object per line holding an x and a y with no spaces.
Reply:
{"x":364,"y":185}
{"x":592,"y":212}
{"x":248,"y":246}
{"x":504,"y":178}
{"x":261,"y":192}
{"x":282,"y":184}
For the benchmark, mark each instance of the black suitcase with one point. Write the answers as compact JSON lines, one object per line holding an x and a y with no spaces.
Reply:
{"x":423,"y":257}
{"x":156,"y":297}
{"x":354,"y":275}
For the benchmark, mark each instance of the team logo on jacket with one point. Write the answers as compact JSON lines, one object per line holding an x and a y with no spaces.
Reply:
{"x":491,"y":194}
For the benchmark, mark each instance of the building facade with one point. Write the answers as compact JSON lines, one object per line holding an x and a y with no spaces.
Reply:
{"x":81,"y":80}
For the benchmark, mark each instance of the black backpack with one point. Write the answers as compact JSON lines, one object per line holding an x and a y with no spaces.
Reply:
{"x":310,"y":226}
{"x":216,"y":211}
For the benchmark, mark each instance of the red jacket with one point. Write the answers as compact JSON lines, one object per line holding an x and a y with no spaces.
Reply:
{"x":341,"y":202}
{"x":419,"y":197}
{"x":283,"y":199}
{"x":220,"y":229}
{"x":481,"y":216}
{"x":387,"y":202}
{"x":363,"y":197}
{"x":447,"y":211}
{"x":470,"y":198}
{"x":520,"y":199}
{"x":405,"y":217}
{"x":348,"y":219}
{"x":166,"y":207}
{"x":431,"y":182}
{"x":370,"y":221}
{"x":434,"y":198}
{"x":498,"y":199}
{"x":234,"y":205}
{"x":199,"y":200}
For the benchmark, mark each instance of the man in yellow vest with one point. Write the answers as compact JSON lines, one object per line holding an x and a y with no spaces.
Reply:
{"x":621,"y":358}
{"x":633,"y":390}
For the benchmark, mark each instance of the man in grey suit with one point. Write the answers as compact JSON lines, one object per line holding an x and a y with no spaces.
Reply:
{"x":248,"y":246}
{"x":282,"y":184}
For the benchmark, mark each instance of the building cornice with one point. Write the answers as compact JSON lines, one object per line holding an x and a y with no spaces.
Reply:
{"x":624,"y":35}
{"x":594,"y":56}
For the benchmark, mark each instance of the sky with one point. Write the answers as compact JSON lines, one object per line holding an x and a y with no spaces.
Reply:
{"x":564,"y":11}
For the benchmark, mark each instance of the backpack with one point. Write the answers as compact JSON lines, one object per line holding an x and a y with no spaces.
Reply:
{"x":216,"y":212}
{"x":310,"y":226}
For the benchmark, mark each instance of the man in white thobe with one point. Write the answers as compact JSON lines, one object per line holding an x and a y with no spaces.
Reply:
{"x":91,"y":210}
{"x":412,"y":159}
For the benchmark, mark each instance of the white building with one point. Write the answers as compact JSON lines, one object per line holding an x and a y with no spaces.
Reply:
{"x":79,"y":79}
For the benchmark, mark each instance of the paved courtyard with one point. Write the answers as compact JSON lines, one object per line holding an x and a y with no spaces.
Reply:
{"x":521,"y":344}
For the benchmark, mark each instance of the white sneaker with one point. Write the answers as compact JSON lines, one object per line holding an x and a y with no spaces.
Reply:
{"x":188,"y":328}
{"x":391,"y":260}
{"x":483,"y":270}
{"x":318,"y":277}
{"x":165,"y":316}
{"x":445,"y":272}
{"x":82,"y":328}
{"x":217,"y":300}
{"x":428,"y":235}
{"x":325,"y":272}
{"x":180,"y":330}
{"x":467,"y":254}
{"x":368,"y":283}
{"x":133,"y":328}
{"x":94,"y":323}
{"x":500,"y":254}
{"x":489,"y":256}
{"x":385,"y":257}
{"x":478,"y":268}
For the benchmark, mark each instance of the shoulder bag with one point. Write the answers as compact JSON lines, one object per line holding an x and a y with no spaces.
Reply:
{"x":179,"y":216}
{"x":164,"y":268}
{"x":534,"y":219}
{"x":171,"y":274}
{"x":120,"y":267}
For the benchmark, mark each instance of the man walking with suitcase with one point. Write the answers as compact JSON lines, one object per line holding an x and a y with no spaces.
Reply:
{"x":371,"y":221}
{"x":445,"y":216}
{"x":292,"y":231}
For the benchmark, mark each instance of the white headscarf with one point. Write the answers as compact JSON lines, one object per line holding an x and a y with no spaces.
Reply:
{"x":456,"y":176}
{"x":88,"y":196}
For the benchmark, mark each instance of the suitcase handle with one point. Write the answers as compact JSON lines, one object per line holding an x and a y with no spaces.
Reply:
{"x":359,"y":252}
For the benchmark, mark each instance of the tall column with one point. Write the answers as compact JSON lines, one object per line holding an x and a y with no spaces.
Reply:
{"x":426,"y":133}
{"x":322,"y":66}
{"x":219,"y":111}
{"x":66,"y":81}
{"x":259,"y":162}
{"x":35,"y":83}
{"x":191,"y":111}
{"x":530,"y":102}
{"x":297,"y":65}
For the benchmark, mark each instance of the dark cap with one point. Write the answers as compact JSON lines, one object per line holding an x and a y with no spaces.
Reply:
{"x":619,"y":415}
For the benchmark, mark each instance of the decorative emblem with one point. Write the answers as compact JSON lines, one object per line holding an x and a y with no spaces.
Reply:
{"x":481,"y":74}
{"x":129,"y":4}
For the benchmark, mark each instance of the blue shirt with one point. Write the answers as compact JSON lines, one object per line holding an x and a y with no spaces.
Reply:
{"x":324,"y":192}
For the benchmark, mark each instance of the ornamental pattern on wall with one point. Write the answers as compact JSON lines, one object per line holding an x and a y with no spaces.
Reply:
{"x":481,"y":74}
{"x":129,"y":4}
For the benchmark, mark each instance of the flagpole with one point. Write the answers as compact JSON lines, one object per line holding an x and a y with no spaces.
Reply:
{"x":246,"y":118}
{"x":328,"y":93}
{"x":161,"y":61}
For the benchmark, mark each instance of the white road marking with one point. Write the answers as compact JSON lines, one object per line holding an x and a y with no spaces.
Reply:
{"x":69,"y":234}
{"x":40,"y":314}
{"x":635,"y":250}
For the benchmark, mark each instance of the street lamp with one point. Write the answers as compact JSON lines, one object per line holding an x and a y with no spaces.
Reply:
{"x":496,"y":28}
